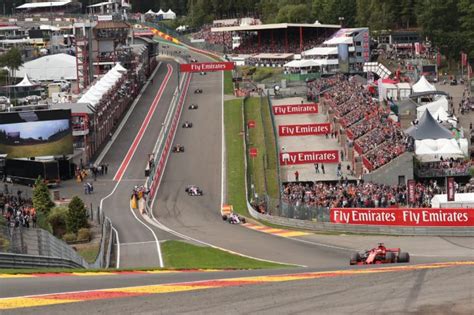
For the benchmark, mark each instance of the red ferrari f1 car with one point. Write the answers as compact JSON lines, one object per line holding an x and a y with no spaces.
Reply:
{"x":380,"y":255}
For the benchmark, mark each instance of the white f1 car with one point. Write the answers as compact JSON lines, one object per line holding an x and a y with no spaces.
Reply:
{"x":193,"y":106}
{"x":187,"y":124}
{"x":193,"y":190}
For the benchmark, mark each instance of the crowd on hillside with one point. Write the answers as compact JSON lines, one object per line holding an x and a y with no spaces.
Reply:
{"x":17,"y":211}
{"x":316,"y":87}
{"x":376,"y":136}
{"x":356,"y":195}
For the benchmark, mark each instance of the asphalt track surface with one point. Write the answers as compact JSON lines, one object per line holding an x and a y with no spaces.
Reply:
{"x":434,"y":291}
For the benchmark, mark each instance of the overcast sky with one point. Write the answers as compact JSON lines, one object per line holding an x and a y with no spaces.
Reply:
{"x":36,"y":129}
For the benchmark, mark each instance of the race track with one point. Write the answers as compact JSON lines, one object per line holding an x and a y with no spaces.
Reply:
{"x":334,"y":288}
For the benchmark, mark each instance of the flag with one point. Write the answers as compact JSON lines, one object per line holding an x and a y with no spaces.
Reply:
{"x":438,"y":59}
{"x":464,"y":59}
{"x":417,"y":48}
{"x":469,"y":71}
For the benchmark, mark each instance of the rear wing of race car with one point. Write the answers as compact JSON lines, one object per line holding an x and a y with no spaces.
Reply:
{"x":227,"y":210}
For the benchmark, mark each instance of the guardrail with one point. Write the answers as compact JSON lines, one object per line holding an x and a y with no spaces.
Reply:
{"x":9,"y":260}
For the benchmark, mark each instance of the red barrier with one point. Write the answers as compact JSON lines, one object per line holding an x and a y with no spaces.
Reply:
{"x":206,"y":66}
{"x":403,"y":217}
{"x":367,"y":164}
{"x":309,"y":157}
{"x":294,"y":109}
{"x":304,"y":130}
{"x":349,"y":134}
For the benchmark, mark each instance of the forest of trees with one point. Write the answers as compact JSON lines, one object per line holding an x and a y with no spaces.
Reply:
{"x":448,"y":23}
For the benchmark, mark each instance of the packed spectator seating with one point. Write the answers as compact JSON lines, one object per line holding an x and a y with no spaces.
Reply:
{"x":316,"y":87}
{"x":357,"y":195}
{"x":377,"y":138}
{"x":18,"y":211}
{"x":449,"y":167}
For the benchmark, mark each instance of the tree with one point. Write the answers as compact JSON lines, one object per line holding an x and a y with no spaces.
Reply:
{"x":57,"y":219}
{"x":76,"y":215}
{"x":41,"y":197}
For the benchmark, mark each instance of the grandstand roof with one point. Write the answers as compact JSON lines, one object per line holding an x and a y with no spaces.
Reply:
{"x":272,"y":56}
{"x":48,"y":4}
{"x":262,"y":27}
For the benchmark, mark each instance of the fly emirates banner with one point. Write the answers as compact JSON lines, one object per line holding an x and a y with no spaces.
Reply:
{"x":404,"y":216}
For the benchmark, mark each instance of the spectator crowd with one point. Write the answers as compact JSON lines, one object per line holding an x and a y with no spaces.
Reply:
{"x":356,"y":195}
{"x":17,"y":211}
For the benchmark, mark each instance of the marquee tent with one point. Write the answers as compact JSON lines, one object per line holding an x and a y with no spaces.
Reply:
{"x":26,"y":82}
{"x":428,"y":128}
{"x":50,"y":68}
{"x":433,"y":150}
{"x":423,"y":86}
{"x":304,"y":63}
{"x":95,"y":93}
{"x":433,"y":107}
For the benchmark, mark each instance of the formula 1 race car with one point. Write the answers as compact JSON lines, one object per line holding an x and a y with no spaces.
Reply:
{"x":234,"y":218}
{"x":178,"y":148}
{"x":193,"y":190}
{"x":193,"y":60}
{"x":198,"y":91}
{"x":203,"y":73}
{"x":187,"y":124}
{"x":380,"y":255}
{"x":193,"y":106}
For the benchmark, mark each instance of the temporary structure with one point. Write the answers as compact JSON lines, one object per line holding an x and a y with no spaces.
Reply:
{"x":433,"y":107}
{"x":428,"y":128}
{"x":433,"y":150}
{"x":50,"y":68}
{"x":423,"y":86}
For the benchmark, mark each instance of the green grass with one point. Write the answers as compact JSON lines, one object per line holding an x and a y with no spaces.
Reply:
{"x":271,"y":172}
{"x":263,"y":168}
{"x":228,"y":85}
{"x":89,"y":252}
{"x":50,"y":148}
{"x":256,"y":140}
{"x":264,"y":74}
{"x":235,"y":155}
{"x":182,"y":255}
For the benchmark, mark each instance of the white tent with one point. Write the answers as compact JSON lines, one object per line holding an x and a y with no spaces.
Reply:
{"x":161,"y":12}
{"x":430,"y":150}
{"x":150,"y":12}
{"x":26,"y":82}
{"x":461,"y":200}
{"x":50,"y":68}
{"x":98,"y":90}
{"x":169,"y":15}
{"x":433,"y":107}
{"x":423,"y":86}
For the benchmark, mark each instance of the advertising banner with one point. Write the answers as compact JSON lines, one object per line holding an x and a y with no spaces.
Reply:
{"x":451,"y":188}
{"x":294,"y":109}
{"x":309,"y":157}
{"x":206,"y":66}
{"x":411,"y":190}
{"x":304,"y":130}
{"x":403,"y":216}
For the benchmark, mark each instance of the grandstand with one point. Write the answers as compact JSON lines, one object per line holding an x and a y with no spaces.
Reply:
{"x":271,"y":38}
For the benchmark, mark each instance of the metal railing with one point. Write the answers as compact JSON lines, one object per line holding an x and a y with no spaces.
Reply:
{"x":10,"y":260}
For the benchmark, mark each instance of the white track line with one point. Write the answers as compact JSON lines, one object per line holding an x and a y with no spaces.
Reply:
{"x":158,"y":249}
{"x":117,"y":264}
{"x":223,"y":160}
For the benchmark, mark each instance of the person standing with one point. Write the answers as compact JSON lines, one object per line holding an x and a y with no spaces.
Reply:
{"x":297,"y":176}
{"x":322,"y":168}
{"x":316,"y":168}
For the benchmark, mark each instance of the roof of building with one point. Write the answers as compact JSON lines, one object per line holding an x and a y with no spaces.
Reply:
{"x":111,"y":24}
{"x":48,"y":4}
{"x":261,"y":27}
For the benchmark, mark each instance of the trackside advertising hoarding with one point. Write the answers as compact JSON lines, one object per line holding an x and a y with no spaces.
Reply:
{"x":206,"y":66}
{"x":403,"y":216}
{"x":304,"y":130}
{"x":309,"y":157}
{"x":295,"y":109}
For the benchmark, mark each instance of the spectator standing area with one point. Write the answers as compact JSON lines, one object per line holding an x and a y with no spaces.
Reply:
{"x":306,"y":138}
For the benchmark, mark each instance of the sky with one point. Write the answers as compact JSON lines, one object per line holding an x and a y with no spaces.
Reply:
{"x":36,"y":129}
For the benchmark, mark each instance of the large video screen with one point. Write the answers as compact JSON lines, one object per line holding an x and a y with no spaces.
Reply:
{"x":36,"y":133}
